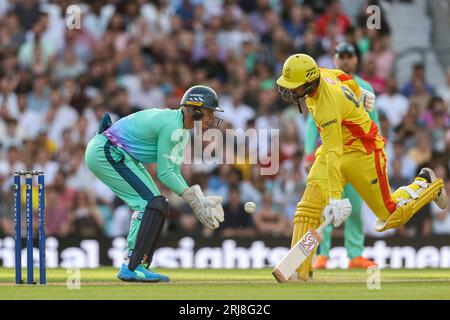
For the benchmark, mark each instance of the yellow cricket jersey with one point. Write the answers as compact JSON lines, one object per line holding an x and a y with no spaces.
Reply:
{"x":343,"y":123}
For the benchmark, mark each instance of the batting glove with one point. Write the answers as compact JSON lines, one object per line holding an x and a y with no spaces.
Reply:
{"x":340,"y":210}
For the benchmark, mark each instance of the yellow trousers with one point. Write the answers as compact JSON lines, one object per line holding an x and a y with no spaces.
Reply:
{"x":367,"y":173}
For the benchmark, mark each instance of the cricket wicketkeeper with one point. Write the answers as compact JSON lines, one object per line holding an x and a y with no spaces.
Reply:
{"x":116,"y":156}
{"x":352,"y":151}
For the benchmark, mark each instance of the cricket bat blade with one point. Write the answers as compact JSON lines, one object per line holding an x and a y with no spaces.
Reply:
{"x":301,"y":250}
{"x":295,"y":257}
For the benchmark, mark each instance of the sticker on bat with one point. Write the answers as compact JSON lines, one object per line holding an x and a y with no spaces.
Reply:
{"x":309,"y":242}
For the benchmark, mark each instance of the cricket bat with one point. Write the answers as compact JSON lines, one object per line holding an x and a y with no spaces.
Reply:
{"x":298,"y":253}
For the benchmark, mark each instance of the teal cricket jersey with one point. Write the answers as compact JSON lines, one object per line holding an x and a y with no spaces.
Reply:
{"x":154,"y":136}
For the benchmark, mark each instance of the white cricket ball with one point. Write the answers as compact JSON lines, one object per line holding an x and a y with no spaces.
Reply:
{"x":250,"y":207}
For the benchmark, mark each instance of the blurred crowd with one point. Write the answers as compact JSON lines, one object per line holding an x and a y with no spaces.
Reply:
{"x":56,"y":82}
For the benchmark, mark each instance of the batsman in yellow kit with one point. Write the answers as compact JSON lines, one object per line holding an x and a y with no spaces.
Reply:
{"x":352,"y":151}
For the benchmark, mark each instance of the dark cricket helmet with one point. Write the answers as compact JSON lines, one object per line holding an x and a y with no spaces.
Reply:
{"x":201,"y":97}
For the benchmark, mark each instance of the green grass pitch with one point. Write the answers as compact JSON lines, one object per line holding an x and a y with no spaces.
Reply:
{"x":248,"y":284}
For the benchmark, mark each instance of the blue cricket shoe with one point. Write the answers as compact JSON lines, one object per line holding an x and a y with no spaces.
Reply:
{"x":140,"y":274}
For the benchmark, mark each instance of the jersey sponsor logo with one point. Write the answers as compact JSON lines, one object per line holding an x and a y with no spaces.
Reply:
{"x":326,"y":124}
{"x":374,"y":181}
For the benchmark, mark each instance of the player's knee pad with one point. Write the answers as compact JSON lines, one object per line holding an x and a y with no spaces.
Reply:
{"x":150,"y":228}
{"x":409,"y":205}
{"x":159,"y":204}
{"x":309,"y":209}
{"x":308,"y":215}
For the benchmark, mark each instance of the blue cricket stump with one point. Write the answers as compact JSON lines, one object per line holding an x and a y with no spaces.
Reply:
{"x":29,"y":212}
{"x":29,"y":225}
{"x":41,"y":217}
{"x":18,"y":228}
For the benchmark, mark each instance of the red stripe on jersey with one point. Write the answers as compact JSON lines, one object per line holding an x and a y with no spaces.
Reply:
{"x":344,"y":77}
{"x":367,"y":139}
{"x":390,"y":204}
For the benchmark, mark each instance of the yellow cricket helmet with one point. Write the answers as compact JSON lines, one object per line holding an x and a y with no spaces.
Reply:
{"x":298,"y":69}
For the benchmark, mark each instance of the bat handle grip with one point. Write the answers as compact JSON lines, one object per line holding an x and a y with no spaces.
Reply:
{"x":328,"y":220}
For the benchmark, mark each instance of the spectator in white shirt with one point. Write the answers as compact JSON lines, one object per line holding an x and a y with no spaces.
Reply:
{"x":45,"y":164}
{"x":237,"y":113}
{"x":148,"y":95}
{"x":11,"y":134}
{"x":158,"y":15}
{"x":82,"y":132}
{"x":59,"y":117}
{"x":70,"y":66}
{"x":29,"y":119}
{"x":97,"y":18}
{"x":9,"y":164}
{"x":393,"y":104}
{"x":9,"y":105}
{"x":78,"y":175}
{"x":54,"y":17}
